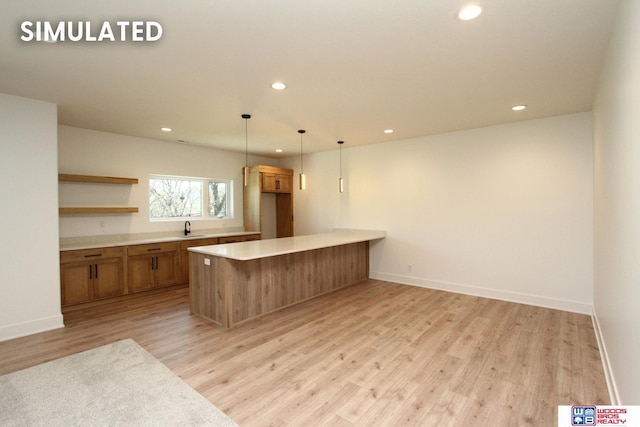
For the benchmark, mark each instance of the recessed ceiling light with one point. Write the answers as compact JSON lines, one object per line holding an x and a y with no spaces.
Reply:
{"x":518,"y":107}
{"x":165,"y":129}
{"x":279,"y":86}
{"x":388,"y":131}
{"x":469,"y":12}
{"x":278,"y":150}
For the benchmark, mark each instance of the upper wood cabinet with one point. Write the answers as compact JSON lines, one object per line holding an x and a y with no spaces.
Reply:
{"x":94,"y":179}
{"x":269,"y":179}
{"x":276,"y":183}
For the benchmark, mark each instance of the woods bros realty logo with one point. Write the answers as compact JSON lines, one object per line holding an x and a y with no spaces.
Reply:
{"x":592,"y":415}
{"x":85,"y":31}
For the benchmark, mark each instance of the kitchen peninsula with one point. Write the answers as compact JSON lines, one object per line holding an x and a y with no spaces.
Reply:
{"x":233,"y":283}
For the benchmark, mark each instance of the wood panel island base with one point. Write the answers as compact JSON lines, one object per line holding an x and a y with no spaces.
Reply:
{"x":233,"y":283}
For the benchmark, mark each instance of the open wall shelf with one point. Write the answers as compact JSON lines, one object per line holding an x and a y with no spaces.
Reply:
{"x":97,"y":210}
{"x":94,"y":179}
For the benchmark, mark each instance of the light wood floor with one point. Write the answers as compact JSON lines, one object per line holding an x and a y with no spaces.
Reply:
{"x":374,"y":354}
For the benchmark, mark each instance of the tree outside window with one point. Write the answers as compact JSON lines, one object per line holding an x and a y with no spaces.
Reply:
{"x":174,"y":198}
{"x":179,"y":197}
{"x":218,"y":205}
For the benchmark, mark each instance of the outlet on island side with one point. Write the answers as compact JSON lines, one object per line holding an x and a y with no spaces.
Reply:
{"x":409,"y":267}
{"x":207,"y":261}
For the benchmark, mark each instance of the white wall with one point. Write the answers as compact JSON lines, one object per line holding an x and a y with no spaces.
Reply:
{"x":503,"y":211}
{"x":83,"y":151}
{"x":29,"y":262}
{"x":617,"y":206}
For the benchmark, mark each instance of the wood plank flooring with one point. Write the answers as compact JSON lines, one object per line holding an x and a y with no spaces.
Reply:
{"x":373,"y":354}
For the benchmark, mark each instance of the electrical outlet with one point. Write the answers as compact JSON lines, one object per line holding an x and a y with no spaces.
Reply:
{"x":207,"y":261}
{"x":409,"y":267}
{"x":101,"y":223}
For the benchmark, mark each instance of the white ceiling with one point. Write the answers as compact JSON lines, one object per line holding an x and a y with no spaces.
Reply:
{"x":353,"y":67}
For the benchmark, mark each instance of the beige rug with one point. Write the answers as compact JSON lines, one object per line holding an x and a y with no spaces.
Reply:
{"x":114,"y":385}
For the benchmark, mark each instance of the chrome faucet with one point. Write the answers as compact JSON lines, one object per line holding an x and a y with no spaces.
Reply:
{"x":187,"y":228}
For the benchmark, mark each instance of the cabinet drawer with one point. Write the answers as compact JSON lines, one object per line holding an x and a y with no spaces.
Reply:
{"x":240,"y":238}
{"x":190,"y":243}
{"x":92,"y":254}
{"x":153,"y":248}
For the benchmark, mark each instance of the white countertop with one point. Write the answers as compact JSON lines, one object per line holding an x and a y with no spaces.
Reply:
{"x":256,"y":249}
{"x":122,"y":240}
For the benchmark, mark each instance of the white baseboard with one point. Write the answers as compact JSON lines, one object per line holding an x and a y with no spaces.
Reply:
{"x":608,"y":372}
{"x":32,"y":327}
{"x":558,"y":304}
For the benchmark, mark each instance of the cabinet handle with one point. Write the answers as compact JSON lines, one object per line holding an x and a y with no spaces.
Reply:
{"x":152,"y":267}
{"x":153,"y":249}
{"x":96,"y":271}
{"x":92,"y":255}
{"x":277,"y":184}
{"x":156,"y":263}
{"x":90,"y":271}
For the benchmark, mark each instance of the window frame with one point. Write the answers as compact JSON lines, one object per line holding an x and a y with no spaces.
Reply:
{"x":204,"y":198}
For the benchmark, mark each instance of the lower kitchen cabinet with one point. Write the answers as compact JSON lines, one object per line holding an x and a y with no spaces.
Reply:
{"x":184,"y":254}
{"x":190,"y":243}
{"x":87,"y":275}
{"x":152,"y":266}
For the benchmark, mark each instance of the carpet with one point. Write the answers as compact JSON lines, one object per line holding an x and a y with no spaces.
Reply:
{"x":115,"y":385}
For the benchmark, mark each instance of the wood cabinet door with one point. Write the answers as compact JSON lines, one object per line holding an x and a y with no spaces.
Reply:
{"x":108,"y":278}
{"x":284,"y":183}
{"x":276,"y":183}
{"x":76,"y":282}
{"x":268,"y":183}
{"x":284,"y":215}
{"x":166,"y":269}
{"x":184,"y":265}
{"x":141,"y":272}
{"x":183,"y":261}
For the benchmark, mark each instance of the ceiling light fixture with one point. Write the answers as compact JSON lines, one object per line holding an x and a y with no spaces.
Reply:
{"x":388,"y":131}
{"x":278,"y":150}
{"x":279,"y":86}
{"x":165,"y":129}
{"x":245,"y":170}
{"x":340,"y":181}
{"x":303,"y":179}
{"x":469,"y":12}
{"x":518,"y":107}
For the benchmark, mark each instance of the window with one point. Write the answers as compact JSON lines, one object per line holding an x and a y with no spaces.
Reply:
{"x":183,"y":197}
{"x":218,"y":205}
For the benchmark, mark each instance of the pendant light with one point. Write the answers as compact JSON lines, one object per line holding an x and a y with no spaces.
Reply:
{"x":245,"y":170}
{"x":340,"y":181}
{"x":303,"y":179}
